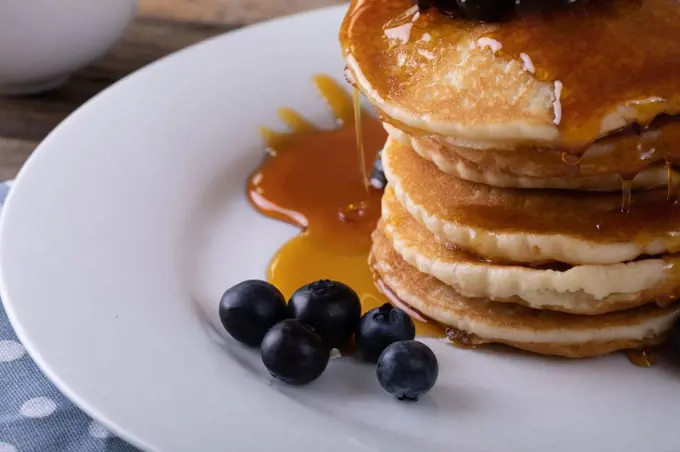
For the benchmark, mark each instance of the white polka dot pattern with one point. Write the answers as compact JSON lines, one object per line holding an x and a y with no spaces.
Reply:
{"x":11,"y":350}
{"x":38,"y":407}
{"x":97,"y":430}
{"x":6,"y":447}
{"x":30,"y":423}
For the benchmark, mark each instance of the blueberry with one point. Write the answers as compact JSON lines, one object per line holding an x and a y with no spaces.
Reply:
{"x":331,"y":308}
{"x":294,"y":353}
{"x":249,"y":309}
{"x":448,"y":7}
{"x":378,"y":179}
{"x":407,"y":369}
{"x":424,"y":5}
{"x":381,"y":327}
{"x":543,"y":5}
{"x":486,"y":10}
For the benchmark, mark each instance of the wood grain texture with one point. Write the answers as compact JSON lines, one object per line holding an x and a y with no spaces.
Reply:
{"x":13,"y":154}
{"x":162,"y":27}
{"x":229,"y":11}
{"x":33,"y":117}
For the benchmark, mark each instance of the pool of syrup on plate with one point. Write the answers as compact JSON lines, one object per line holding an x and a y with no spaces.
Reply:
{"x":317,"y":179}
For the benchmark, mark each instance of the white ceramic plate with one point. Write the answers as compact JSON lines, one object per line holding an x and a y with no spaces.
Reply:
{"x":129,"y":222}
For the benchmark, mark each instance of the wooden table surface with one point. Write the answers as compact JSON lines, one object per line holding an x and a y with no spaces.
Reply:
{"x":162,"y":27}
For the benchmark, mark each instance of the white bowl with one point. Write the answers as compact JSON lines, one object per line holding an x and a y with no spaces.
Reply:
{"x":43,"y":41}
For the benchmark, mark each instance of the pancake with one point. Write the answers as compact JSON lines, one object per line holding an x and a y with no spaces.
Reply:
{"x":544,"y":332}
{"x":652,"y":177}
{"x":563,"y":76}
{"x":532,"y":226}
{"x":599,"y":169}
{"x":586,"y":289}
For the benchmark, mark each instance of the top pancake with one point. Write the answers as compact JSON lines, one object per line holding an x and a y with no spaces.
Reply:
{"x":563,"y":76}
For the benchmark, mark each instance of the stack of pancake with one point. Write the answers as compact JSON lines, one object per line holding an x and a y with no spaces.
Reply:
{"x":531,"y":197}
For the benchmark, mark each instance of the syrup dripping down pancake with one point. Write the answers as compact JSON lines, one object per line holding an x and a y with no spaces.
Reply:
{"x":532,"y":226}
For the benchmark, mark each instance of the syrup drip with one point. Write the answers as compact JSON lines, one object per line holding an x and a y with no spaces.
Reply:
{"x":626,"y":194}
{"x":361,"y":153}
{"x":310,"y":179}
{"x":571,"y":159}
{"x":461,"y":339}
{"x":669,"y":178}
{"x":643,"y":357}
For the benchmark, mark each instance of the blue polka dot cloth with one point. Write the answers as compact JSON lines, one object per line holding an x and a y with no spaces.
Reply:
{"x":34,"y":416}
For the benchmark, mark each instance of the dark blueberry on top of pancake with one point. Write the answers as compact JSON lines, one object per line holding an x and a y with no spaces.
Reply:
{"x":448,"y":7}
{"x":486,"y":10}
{"x":424,"y":5}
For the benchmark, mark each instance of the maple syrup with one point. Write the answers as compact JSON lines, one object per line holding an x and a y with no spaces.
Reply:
{"x":358,"y":132}
{"x":619,"y":153}
{"x":669,"y":181}
{"x":626,"y":193}
{"x":593,"y":215}
{"x":619,"y":67}
{"x":644,"y":357}
{"x":310,"y":179}
{"x":462,"y":339}
{"x":604,"y":56}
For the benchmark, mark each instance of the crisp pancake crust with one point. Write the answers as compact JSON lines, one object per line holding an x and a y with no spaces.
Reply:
{"x":531,"y":225}
{"x":586,"y":289}
{"x":544,"y":332}
{"x":524,"y":80}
